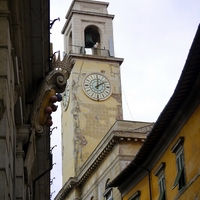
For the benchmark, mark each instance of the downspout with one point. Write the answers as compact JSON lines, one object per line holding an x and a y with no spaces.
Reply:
{"x":36,"y":179}
{"x":41,"y":175}
{"x":149,"y":179}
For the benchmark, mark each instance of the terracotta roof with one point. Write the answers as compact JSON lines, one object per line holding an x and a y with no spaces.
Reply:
{"x":185,"y":90}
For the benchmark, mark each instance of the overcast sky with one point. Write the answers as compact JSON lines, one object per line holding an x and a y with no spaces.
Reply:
{"x":154,"y":38}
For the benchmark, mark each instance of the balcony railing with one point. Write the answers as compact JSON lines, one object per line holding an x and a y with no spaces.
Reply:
{"x":90,"y":51}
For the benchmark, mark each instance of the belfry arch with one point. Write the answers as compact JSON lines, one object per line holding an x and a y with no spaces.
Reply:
{"x":92,"y":38}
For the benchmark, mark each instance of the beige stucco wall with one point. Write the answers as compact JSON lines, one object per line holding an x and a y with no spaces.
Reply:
{"x":86,"y":121}
{"x":79,"y":21}
{"x":111,"y":166}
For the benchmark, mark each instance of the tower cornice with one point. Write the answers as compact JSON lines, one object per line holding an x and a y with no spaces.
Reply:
{"x":68,"y":17}
{"x":74,"y":56}
{"x":84,"y":1}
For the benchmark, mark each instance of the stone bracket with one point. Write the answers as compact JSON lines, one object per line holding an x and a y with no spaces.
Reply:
{"x":55,"y":80}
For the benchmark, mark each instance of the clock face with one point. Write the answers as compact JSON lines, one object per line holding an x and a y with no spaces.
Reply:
{"x":65,"y":96}
{"x":97,"y":86}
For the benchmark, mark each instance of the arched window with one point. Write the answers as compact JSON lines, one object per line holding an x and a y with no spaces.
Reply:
{"x":107,"y":183}
{"x":92,"y":36}
{"x":108,"y":195}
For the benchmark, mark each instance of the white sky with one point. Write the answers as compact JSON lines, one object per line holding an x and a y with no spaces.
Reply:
{"x":154,"y":38}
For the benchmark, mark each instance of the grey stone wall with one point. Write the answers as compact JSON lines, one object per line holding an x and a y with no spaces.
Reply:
{"x":25,"y":159}
{"x":7,"y":123}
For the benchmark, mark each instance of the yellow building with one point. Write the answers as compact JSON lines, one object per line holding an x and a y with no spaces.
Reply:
{"x":168,"y":166}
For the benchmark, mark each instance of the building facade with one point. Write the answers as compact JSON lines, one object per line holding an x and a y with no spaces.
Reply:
{"x":29,"y":82}
{"x":113,"y":153}
{"x":167,"y":165}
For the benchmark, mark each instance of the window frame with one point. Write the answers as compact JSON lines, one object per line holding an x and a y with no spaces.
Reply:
{"x":178,"y":150}
{"x":162,"y":187}
{"x":161,"y":181}
{"x":108,"y":194}
{"x":135,"y":196}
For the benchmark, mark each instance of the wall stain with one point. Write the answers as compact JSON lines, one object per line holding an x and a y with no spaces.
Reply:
{"x":79,"y":140}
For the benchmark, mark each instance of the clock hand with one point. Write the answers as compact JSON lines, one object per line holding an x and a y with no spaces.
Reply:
{"x":99,"y":84}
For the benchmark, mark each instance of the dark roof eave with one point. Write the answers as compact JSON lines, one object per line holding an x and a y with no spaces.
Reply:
{"x":183,"y":89}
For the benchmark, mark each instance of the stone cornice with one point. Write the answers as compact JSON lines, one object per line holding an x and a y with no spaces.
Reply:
{"x":71,"y":11}
{"x":85,"y":1}
{"x":4,"y":13}
{"x":116,"y":134}
{"x":68,"y":17}
{"x":77,"y":56}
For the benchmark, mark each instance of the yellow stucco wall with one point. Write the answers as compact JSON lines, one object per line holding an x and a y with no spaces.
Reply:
{"x":191,"y":133}
{"x":143,"y":187}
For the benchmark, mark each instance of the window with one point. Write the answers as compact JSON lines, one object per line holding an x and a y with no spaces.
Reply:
{"x":162,"y":189}
{"x":180,"y":177}
{"x":161,"y":181}
{"x":108,"y":194}
{"x":135,"y":196}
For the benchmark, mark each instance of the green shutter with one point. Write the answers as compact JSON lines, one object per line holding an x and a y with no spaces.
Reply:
{"x":177,"y":178}
{"x":162,"y":196}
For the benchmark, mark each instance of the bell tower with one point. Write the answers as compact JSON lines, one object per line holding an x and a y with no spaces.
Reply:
{"x":88,"y":25}
{"x":92,"y":100}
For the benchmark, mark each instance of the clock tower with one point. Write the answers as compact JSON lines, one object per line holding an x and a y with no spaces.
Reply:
{"x":92,"y":101}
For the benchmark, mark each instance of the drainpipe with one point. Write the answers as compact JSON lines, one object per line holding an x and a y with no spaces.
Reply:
{"x":149,"y":178}
{"x":36,"y":179}
{"x":41,"y":175}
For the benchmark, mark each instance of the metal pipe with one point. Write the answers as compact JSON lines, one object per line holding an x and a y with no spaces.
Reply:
{"x":149,"y":179}
{"x":36,"y":179}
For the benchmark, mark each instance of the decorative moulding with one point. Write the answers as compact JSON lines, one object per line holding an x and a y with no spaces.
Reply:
{"x":54,"y":82}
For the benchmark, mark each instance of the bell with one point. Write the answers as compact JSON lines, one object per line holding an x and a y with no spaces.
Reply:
{"x":89,"y":43}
